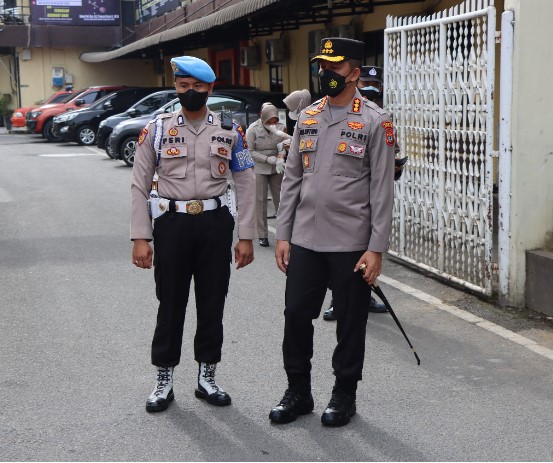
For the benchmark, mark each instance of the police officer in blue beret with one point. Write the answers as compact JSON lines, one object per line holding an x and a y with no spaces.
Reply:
{"x":186,"y":212}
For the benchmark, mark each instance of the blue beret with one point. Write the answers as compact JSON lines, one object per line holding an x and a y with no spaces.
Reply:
{"x":190,"y":66}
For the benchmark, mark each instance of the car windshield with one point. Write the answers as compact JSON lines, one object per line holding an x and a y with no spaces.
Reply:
{"x":75,"y":95}
{"x":101,"y":101}
{"x":62,"y":98}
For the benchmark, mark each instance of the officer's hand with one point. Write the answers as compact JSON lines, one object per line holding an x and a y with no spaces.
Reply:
{"x":243,"y":253}
{"x":282,"y":254}
{"x":272,"y":160}
{"x":373,"y":262}
{"x":142,"y":254}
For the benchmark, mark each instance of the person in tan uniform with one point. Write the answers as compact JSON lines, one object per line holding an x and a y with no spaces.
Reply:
{"x":333,"y":224}
{"x":263,"y":137}
{"x":195,"y":155}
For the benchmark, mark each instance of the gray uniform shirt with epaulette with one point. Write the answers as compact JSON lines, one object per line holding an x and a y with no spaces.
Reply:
{"x":338,"y":187}
{"x":192,"y":164}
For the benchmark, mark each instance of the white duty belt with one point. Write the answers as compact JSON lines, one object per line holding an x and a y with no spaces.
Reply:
{"x":193,"y":207}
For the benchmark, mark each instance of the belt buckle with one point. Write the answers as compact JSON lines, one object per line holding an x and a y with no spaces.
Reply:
{"x":194,"y":207}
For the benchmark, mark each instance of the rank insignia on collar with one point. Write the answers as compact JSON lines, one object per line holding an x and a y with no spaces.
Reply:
{"x":173,"y":131}
{"x":222,"y":168}
{"x":355,"y":125}
{"x":173,"y":151}
{"x":322,"y":103}
{"x":310,"y":122}
{"x":222,"y":151}
{"x":142,"y":136}
{"x":180,"y":120}
{"x":342,"y":147}
{"x":306,"y":160}
{"x":356,"y":105}
{"x":312,"y":112}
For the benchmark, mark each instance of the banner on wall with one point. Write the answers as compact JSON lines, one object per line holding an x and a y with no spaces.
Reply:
{"x":76,"y":12}
{"x":148,"y":9}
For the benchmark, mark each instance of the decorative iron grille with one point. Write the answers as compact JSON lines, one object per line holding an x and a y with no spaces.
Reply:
{"x":439,"y":89}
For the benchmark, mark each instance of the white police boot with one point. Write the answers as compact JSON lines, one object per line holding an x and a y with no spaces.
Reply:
{"x":162,"y":394}
{"x":208,"y":388}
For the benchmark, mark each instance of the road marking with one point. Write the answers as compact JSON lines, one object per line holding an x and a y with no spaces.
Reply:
{"x":467,"y":316}
{"x":464,"y":315}
{"x":69,"y":155}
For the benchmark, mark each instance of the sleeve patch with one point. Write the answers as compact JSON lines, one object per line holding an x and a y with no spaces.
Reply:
{"x":389,"y":128}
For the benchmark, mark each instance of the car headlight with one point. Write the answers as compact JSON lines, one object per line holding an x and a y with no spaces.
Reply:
{"x":35,"y":114}
{"x":17,"y":114}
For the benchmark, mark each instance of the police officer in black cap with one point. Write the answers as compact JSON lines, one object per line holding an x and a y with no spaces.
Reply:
{"x":333,"y":224}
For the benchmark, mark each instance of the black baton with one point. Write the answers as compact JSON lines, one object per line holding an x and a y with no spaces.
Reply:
{"x":380,"y":294}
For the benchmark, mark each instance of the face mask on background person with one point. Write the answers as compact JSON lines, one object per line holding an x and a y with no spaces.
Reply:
{"x":192,"y":100}
{"x":331,"y":83}
{"x":369,"y":92}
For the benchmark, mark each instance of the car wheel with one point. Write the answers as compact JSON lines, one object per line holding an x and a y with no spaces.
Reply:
{"x":128,"y":148}
{"x":47,"y":131}
{"x":86,"y":136}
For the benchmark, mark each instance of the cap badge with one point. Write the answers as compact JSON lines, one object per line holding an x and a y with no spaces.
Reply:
{"x":173,"y":131}
{"x":372,"y":72}
{"x":174,"y":66}
{"x":327,"y":47}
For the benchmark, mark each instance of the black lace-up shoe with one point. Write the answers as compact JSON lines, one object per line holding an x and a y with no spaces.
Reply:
{"x":162,"y":394}
{"x":292,"y":404}
{"x":264,"y":242}
{"x":328,"y":314}
{"x":208,"y":388}
{"x":340,"y":408}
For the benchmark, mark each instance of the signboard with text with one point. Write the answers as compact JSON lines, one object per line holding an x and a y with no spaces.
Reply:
{"x":148,"y":9}
{"x":76,"y":12}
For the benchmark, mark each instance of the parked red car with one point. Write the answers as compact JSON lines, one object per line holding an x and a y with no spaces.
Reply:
{"x":19,"y":114}
{"x":41,"y":120}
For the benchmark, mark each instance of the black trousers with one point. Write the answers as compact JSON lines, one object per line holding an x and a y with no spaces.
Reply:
{"x":187,"y":246}
{"x":308,"y":275}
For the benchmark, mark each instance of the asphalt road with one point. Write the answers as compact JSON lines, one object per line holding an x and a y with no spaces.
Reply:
{"x":76,"y":325}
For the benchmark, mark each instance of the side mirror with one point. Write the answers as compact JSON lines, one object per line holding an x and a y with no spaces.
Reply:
{"x":79,"y":102}
{"x":107,"y":105}
{"x":133,"y":112}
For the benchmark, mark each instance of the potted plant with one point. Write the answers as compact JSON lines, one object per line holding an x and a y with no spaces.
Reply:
{"x":6,"y":111}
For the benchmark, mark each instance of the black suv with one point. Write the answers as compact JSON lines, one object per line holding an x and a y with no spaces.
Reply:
{"x":146,"y":105}
{"x":81,"y":125}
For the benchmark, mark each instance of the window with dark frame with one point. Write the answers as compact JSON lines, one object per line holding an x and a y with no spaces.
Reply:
{"x":275,"y":77}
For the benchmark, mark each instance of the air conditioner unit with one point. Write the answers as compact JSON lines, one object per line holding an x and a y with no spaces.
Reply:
{"x":345,"y":31}
{"x":275,"y":51}
{"x":249,"y":56}
{"x":314,"y":40}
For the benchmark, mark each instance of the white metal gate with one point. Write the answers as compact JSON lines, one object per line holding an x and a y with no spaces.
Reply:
{"x":439,"y":87}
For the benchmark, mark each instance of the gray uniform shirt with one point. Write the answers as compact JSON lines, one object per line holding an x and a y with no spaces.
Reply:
{"x":192,"y":164}
{"x":338,"y":187}
{"x":262,"y":144}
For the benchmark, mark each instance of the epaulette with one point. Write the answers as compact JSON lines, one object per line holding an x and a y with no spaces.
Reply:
{"x":160,"y":116}
{"x":374,"y":106}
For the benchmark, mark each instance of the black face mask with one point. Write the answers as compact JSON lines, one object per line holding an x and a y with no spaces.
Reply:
{"x":191,"y":100}
{"x":331,"y":83}
{"x":370,"y":95}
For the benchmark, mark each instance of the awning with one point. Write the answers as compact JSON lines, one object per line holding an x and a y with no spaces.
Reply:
{"x":213,"y":20}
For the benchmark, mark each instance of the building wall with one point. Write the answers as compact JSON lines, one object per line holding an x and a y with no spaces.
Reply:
{"x":532,"y":144}
{"x":36,"y":73}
